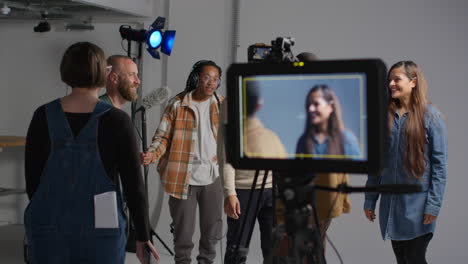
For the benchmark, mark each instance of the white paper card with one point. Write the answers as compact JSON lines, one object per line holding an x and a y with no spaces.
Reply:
{"x":105,"y":210}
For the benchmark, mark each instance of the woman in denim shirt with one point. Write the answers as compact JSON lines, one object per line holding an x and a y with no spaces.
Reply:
{"x":408,"y":220}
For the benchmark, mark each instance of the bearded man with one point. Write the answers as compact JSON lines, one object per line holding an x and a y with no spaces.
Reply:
{"x":122,"y":81}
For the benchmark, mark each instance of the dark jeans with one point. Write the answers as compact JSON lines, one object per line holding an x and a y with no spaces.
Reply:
{"x":264,"y":215}
{"x":412,"y":251}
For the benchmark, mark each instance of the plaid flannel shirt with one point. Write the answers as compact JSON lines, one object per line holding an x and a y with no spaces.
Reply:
{"x":174,"y":141}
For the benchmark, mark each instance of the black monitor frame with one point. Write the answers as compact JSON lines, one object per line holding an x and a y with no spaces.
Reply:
{"x":377,"y":110}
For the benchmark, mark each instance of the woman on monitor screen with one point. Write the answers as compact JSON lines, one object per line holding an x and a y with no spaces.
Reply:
{"x":416,"y":154}
{"x":325,"y":136}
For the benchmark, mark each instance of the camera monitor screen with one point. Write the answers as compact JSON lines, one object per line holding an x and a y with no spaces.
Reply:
{"x":324,"y":116}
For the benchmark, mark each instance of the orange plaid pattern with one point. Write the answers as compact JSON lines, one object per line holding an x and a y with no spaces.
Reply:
{"x":173,"y":143}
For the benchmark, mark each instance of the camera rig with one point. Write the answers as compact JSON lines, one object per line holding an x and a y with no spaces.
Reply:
{"x":278,"y":51}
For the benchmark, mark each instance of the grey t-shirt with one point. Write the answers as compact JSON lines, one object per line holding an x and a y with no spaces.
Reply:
{"x":205,"y":170}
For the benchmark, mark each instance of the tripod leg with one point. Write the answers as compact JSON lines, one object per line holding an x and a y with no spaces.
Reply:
{"x":244,"y":219}
{"x":321,"y":258}
{"x":162,"y":242}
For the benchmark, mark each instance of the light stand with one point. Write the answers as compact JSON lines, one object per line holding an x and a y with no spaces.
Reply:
{"x":131,"y":232}
{"x":146,"y":170}
{"x":131,"y":239}
{"x":154,"y":38}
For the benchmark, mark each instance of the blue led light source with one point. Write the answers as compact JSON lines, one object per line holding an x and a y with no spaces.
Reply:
{"x":154,"y":38}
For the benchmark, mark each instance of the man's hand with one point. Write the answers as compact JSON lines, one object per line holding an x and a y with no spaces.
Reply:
{"x":146,"y":157}
{"x":428,"y":219}
{"x":232,"y":206}
{"x":370,"y":215}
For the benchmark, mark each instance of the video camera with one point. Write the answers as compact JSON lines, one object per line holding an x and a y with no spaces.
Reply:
{"x":278,"y":51}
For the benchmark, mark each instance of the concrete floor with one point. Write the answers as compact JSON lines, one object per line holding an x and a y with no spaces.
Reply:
{"x":11,"y":248}
{"x":11,"y":244}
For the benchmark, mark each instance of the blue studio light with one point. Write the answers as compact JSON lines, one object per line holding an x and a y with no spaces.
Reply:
{"x":154,"y":38}
{"x":164,"y":41}
{"x":168,"y":42}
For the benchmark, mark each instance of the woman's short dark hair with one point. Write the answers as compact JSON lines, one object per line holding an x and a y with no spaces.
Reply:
{"x":83,"y":65}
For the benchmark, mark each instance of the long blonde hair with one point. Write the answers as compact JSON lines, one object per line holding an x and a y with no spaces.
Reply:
{"x":415,"y":125}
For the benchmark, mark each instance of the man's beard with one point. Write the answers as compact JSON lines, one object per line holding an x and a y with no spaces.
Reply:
{"x":126,"y":91}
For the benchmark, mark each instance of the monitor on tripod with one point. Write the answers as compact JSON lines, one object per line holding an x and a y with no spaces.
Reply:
{"x":345,"y":98}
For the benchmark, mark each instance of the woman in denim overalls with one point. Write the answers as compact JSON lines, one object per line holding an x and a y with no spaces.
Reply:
{"x":61,"y":219}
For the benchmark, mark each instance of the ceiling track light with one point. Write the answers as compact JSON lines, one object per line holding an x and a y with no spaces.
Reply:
{"x":5,"y":10}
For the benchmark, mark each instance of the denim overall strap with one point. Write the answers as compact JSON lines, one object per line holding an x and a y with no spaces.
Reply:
{"x":59,"y":220}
